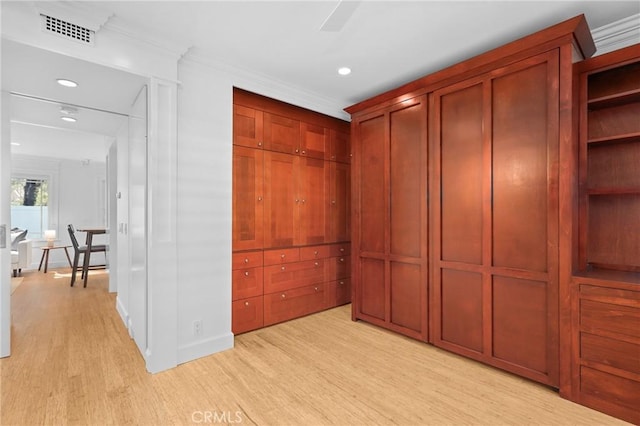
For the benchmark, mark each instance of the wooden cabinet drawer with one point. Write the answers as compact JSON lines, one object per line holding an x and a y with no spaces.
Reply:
{"x":293,"y":275}
{"x":339,"y":292}
{"x":339,"y":249}
{"x":314,"y":252}
{"x":612,"y":352}
{"x":279,"y":256}
{"x":338,"y":268}
{"x":608,"y":388}
{"x":247,"y":259}
{"x":246,"y":283}
{"x":597,"y":317}
{"x":286,"y":305}
{"x":247,"y":314}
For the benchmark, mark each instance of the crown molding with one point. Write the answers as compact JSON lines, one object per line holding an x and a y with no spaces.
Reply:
{"x":617,"y":35}
{"x":255,"y":81}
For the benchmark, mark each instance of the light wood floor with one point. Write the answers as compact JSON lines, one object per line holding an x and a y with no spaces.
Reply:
{"x":73,"y":363}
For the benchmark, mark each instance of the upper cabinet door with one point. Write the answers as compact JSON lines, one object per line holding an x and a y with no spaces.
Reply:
{"x":281,"y":177}
{"x":340,"y":147}
{"x":248,"y":204}
{"x":313,"y":194}
{"x":247,"y":127}
{"x":315,"y":141}
{"x":281,"y":134}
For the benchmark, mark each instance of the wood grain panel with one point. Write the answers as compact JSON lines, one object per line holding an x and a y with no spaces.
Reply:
{"x":247,"y":127}
{"x":372,"y":288}
{"x":292,"y":275}
{"x":520,"y":322}
{"x":340,"y":202}
{"x":246,"y":283}
{"x":314,"y":141}
{"x":247,"y":259}
{"x":461,"y":174}
{"x":616,"y":353}
{"x":373,"y":204}
{"x":614,"y":81}
{"x":407,"y":295}
{"x":247,"y":314}
{"x":461,"y":309}
{"x":407,"y":180}
{"x":248,"y":203}
{"x":281,"y":134}
{"x":520,"y":169}
{"x":614,"y":121}
{"x":598,"y":317}
{"x":283,"y":255}
{"x":340,"y":146}
{"x":286,"y":305}
{"x":611,"y":388}
{"x":613,"y":235}
{"x":313,"y":194}
{"x":281,"y":208}
{"x":614,"y":165}
{"x":314,"y":252}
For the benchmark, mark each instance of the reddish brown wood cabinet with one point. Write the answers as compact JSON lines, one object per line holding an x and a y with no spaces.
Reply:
{"x":495,"y":134}
{"x":390,"y":217}
{"x":606,"y":282}
{"x":291,"y":222}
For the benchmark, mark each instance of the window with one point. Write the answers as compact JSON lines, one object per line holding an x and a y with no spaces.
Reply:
{"x":30,"y":205}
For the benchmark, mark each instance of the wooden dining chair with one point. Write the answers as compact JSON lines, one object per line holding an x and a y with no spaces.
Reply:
{"x":86,"y":253}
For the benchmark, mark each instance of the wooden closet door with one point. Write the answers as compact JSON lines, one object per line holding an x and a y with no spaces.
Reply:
{"x":313,"y":201}
{"x":340,"y":202}
{"x":495,"y":288}
{"x":248,"y":203}
{"x":314,"y":141}
{"x":391,"y":212}
{"x":247,"y":127}
{"x":281,"y":134}
{"x":281,"y":200}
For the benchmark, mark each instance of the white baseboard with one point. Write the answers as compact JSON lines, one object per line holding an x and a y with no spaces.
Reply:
{"x":205,"y":348}
{"x":124,"y":315}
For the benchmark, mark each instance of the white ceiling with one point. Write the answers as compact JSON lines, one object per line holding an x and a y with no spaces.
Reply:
{"x":386,"y":43}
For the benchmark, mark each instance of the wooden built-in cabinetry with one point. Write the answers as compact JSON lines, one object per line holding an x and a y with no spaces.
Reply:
{"x":606,"y":281}
{"x":291,"y":212}
{"x":493,"y":133}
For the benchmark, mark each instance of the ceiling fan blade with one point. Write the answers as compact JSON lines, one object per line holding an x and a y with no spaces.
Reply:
{"x":340,"y":15}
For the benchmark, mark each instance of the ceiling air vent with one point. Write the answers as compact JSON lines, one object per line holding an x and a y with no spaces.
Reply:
{"x":67,"y":29}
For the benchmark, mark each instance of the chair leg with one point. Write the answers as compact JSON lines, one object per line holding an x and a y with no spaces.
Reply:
{"x":85,"y":267}
{"x":74,"y":268}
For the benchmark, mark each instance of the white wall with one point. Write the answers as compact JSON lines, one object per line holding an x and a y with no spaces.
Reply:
{"x":76,"y":194}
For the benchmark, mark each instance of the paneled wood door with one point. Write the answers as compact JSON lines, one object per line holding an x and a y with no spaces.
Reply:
{"x":313,"y":191}
{"x":281,"y":176}
{"x":248,"y":203}
{"x":314,"y":141}
{"x":340,"y":202}
{"x":281,"y":134}
{"x":247,"y":126}
{"x":390,"y":172}
{"x":495,"y":218}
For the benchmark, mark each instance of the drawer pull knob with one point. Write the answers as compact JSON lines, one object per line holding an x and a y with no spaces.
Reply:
{"x":259,"y":143}
{"x":246,"y":260}
{"x":315,"y":252}
{"x":341,"y":282}
{"x":297,"y":151}
{"x":342,"y":259}
{"x":282,"y":268}
{"x":316,"y":263}
{"x":304,"y":152}
{"x":315,"y":288}
{"x":341,"y":249}
{"x":246,"y":273}
{"x":246,"y":303}
{"x":282,"y":256}
{"x":283,"y":295}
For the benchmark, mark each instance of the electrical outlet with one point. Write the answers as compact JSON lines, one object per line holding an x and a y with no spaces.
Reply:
{"x":197,"y":328}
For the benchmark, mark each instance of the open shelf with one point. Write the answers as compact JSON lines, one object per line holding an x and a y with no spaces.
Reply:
{"x":614,"y":191}
{"x":628,"y":137}
{"x":614,"y":100}
{"x":614,"y":276}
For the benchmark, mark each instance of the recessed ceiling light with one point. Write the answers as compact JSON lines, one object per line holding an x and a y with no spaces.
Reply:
{"x":69,"y":119}
{"x":344,"y":70}
{"x":15,"y":143}
{"x":66,"y":83}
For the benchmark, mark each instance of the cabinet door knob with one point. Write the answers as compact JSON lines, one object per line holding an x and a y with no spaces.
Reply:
{"x":333,"y":202}
{"x":315,"y":252}
{"x":283,"y":295}
{"x":246,"y":273}
{"x":259,"y":143}
{"x":297,"y":151}
{"x":316,"y":263}
{"x":341,"y":282}
{"x":303,"y":201}
{"x":259,"y":198}
{"x":315,"y":288}
{"x":342,"y":259}
{"x":304,"y":152}
{"x":341,"y":249}
{"x":333,"y":157}
{"x":246,"y":303}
